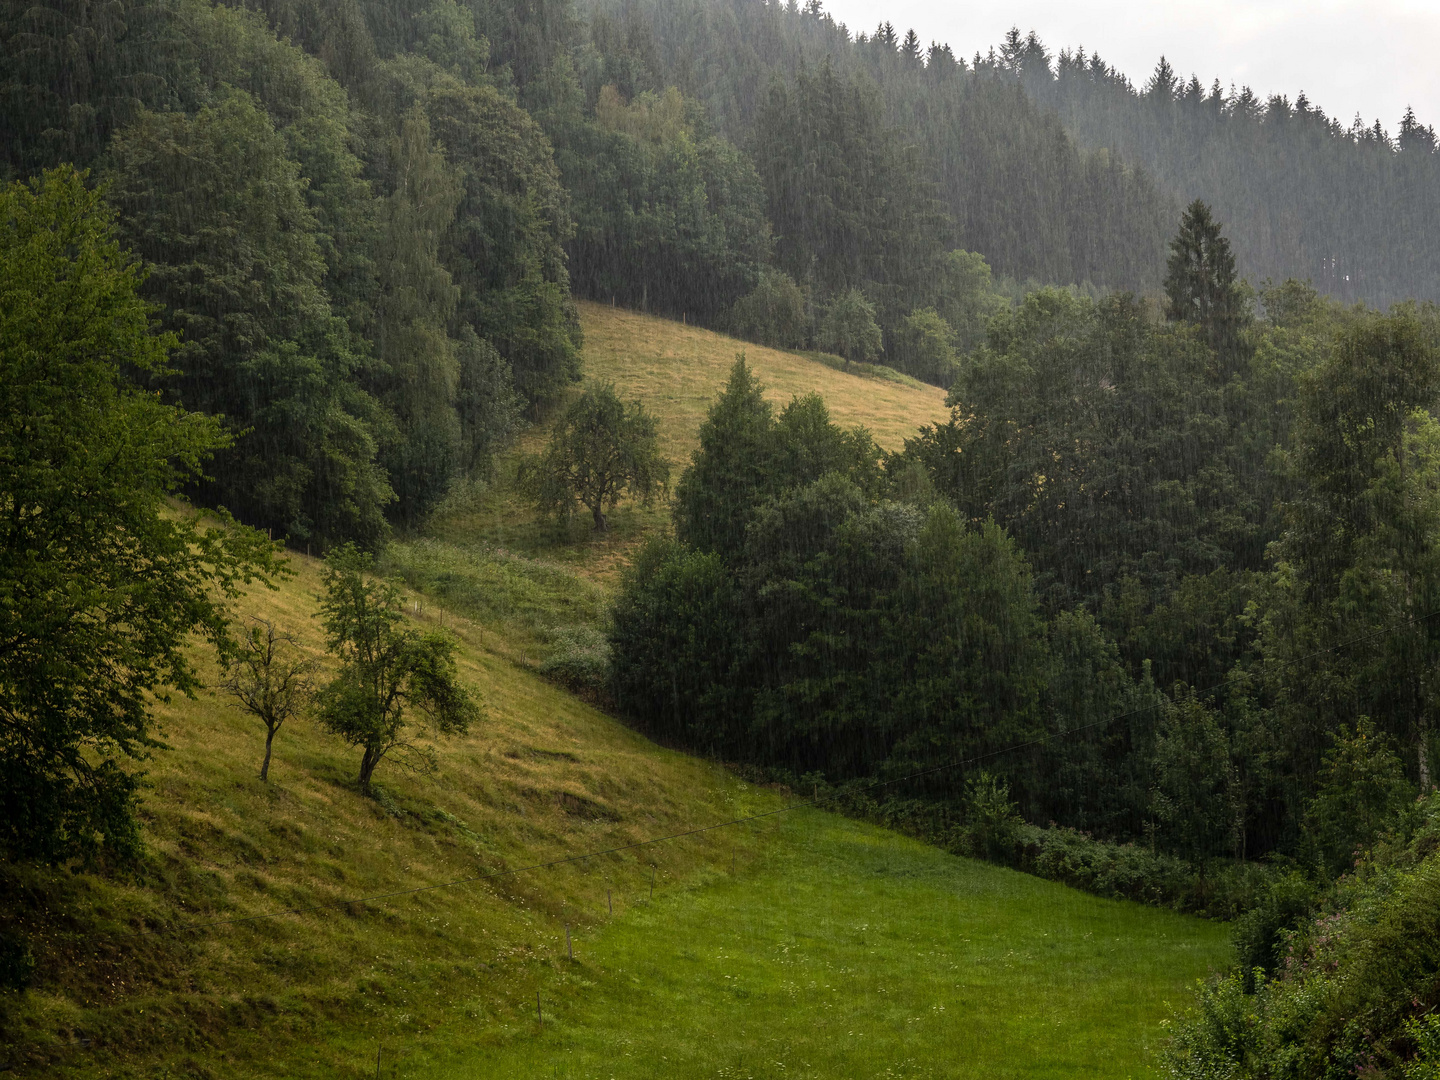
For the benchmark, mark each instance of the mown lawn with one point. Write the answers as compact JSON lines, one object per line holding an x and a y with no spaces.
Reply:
{"x":847,"y":951}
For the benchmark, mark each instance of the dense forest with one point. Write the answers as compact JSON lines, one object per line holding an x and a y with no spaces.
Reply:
{"x":1165,"y":587}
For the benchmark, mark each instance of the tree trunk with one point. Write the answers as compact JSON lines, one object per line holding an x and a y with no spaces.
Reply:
{"x":1424,"y":756}
{"x":265,"y":765}
{"x":368,"y":761}
{"x":600,"y":523}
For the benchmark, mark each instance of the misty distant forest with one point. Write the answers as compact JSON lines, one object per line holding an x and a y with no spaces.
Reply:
{"x":1155,"y":613}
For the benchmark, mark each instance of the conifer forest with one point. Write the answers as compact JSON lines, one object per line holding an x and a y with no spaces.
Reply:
{"x":536,"y":534}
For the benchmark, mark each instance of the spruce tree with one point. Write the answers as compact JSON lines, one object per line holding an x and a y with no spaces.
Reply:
{"x":1200,"y":282}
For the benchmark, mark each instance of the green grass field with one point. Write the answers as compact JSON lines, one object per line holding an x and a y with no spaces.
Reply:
{"x":846,"y":951}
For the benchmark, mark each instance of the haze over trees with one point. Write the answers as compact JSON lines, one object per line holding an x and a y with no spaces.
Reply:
{"x":1154,"y":611}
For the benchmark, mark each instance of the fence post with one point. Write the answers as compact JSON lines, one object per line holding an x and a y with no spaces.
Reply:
{"x":569,"y":950}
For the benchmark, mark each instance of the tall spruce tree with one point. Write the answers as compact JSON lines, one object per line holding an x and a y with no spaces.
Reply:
{"x":1200,"y":282}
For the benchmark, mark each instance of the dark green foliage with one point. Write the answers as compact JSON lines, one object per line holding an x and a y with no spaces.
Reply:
{"x":892,"y":138}
{"x":844,"y":632}
{"x":731,"y":471}
{"x":217,"y":208}
{"x":362,"y":283}
{"x":670,"y":217}
{"x":846,"y":195}
{"x":601,"y":451}
{"x":387,"y":670}
{"x":1200,"y":282}
{"x":1358,"y":558}
{"x":1196,"y":799}
{"x":504,"y":248}
{"x":1105,"y":445}
{"x":924,"y":346}
{"x":677,"y":647}
{"x":1361,"y":792}
{"x":970,"y":648}
{"x":17,"y":961}
{"x":102,"y":582}
{"x":747,"y":455}
{"x":75,"y":72}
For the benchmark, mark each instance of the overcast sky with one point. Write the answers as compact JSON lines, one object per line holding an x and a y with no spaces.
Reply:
{"x":1372,"y":57}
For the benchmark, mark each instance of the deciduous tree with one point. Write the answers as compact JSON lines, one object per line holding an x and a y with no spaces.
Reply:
{"x":388,"y":671}
{"x":602,"y":451}
{"x":102,"y":581}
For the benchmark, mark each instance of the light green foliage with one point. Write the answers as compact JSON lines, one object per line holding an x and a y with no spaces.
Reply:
{"x":965,"y":297}
{"x":774,"y":314}
{"x":101,"y":583}
{"x":387,"y":670}
{"x":925,"y":348}
{"x":601,"y":451}
{"x":1359,"y":555}
{"x":1196,"y":798}
{"x":1426,"y":1063}
{"x":848,"y":328}
{"x":1361,"y":792}
{"x":579,"y":660}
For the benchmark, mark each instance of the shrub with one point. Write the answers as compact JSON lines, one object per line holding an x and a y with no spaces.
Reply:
{"x":579,"y":660}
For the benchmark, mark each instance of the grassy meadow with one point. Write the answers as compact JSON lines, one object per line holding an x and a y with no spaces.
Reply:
{"x":800,"y":938}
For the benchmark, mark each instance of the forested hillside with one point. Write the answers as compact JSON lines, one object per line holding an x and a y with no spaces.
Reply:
{"x":1141,"y":592}
{"x":1055,"y":166}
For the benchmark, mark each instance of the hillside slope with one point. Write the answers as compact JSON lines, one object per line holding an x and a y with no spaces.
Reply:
{"x":677,"y":372}
{"x":170,"y":973}
{"x":180,"y":970}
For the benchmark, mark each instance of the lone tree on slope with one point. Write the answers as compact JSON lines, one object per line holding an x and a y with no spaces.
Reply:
{"x":602,"y":450}
{"x":269,"y":677}
{"x":388,"y":671}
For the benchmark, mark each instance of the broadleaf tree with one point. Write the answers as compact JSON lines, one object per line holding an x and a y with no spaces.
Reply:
{"x":388,"y":671}
{"x":102,"y":581}
{"x":603,"y":450}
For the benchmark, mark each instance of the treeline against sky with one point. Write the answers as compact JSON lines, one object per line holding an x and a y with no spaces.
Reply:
{"x":367,"y":220}
{"x":1057,"y":167}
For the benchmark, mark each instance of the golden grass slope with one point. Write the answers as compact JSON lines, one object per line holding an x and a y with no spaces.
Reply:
{"x":676,"y":371}
{"x":679,"y":370}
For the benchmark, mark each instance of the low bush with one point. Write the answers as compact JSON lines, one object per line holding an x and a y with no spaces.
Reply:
{"x":579,"y":660}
